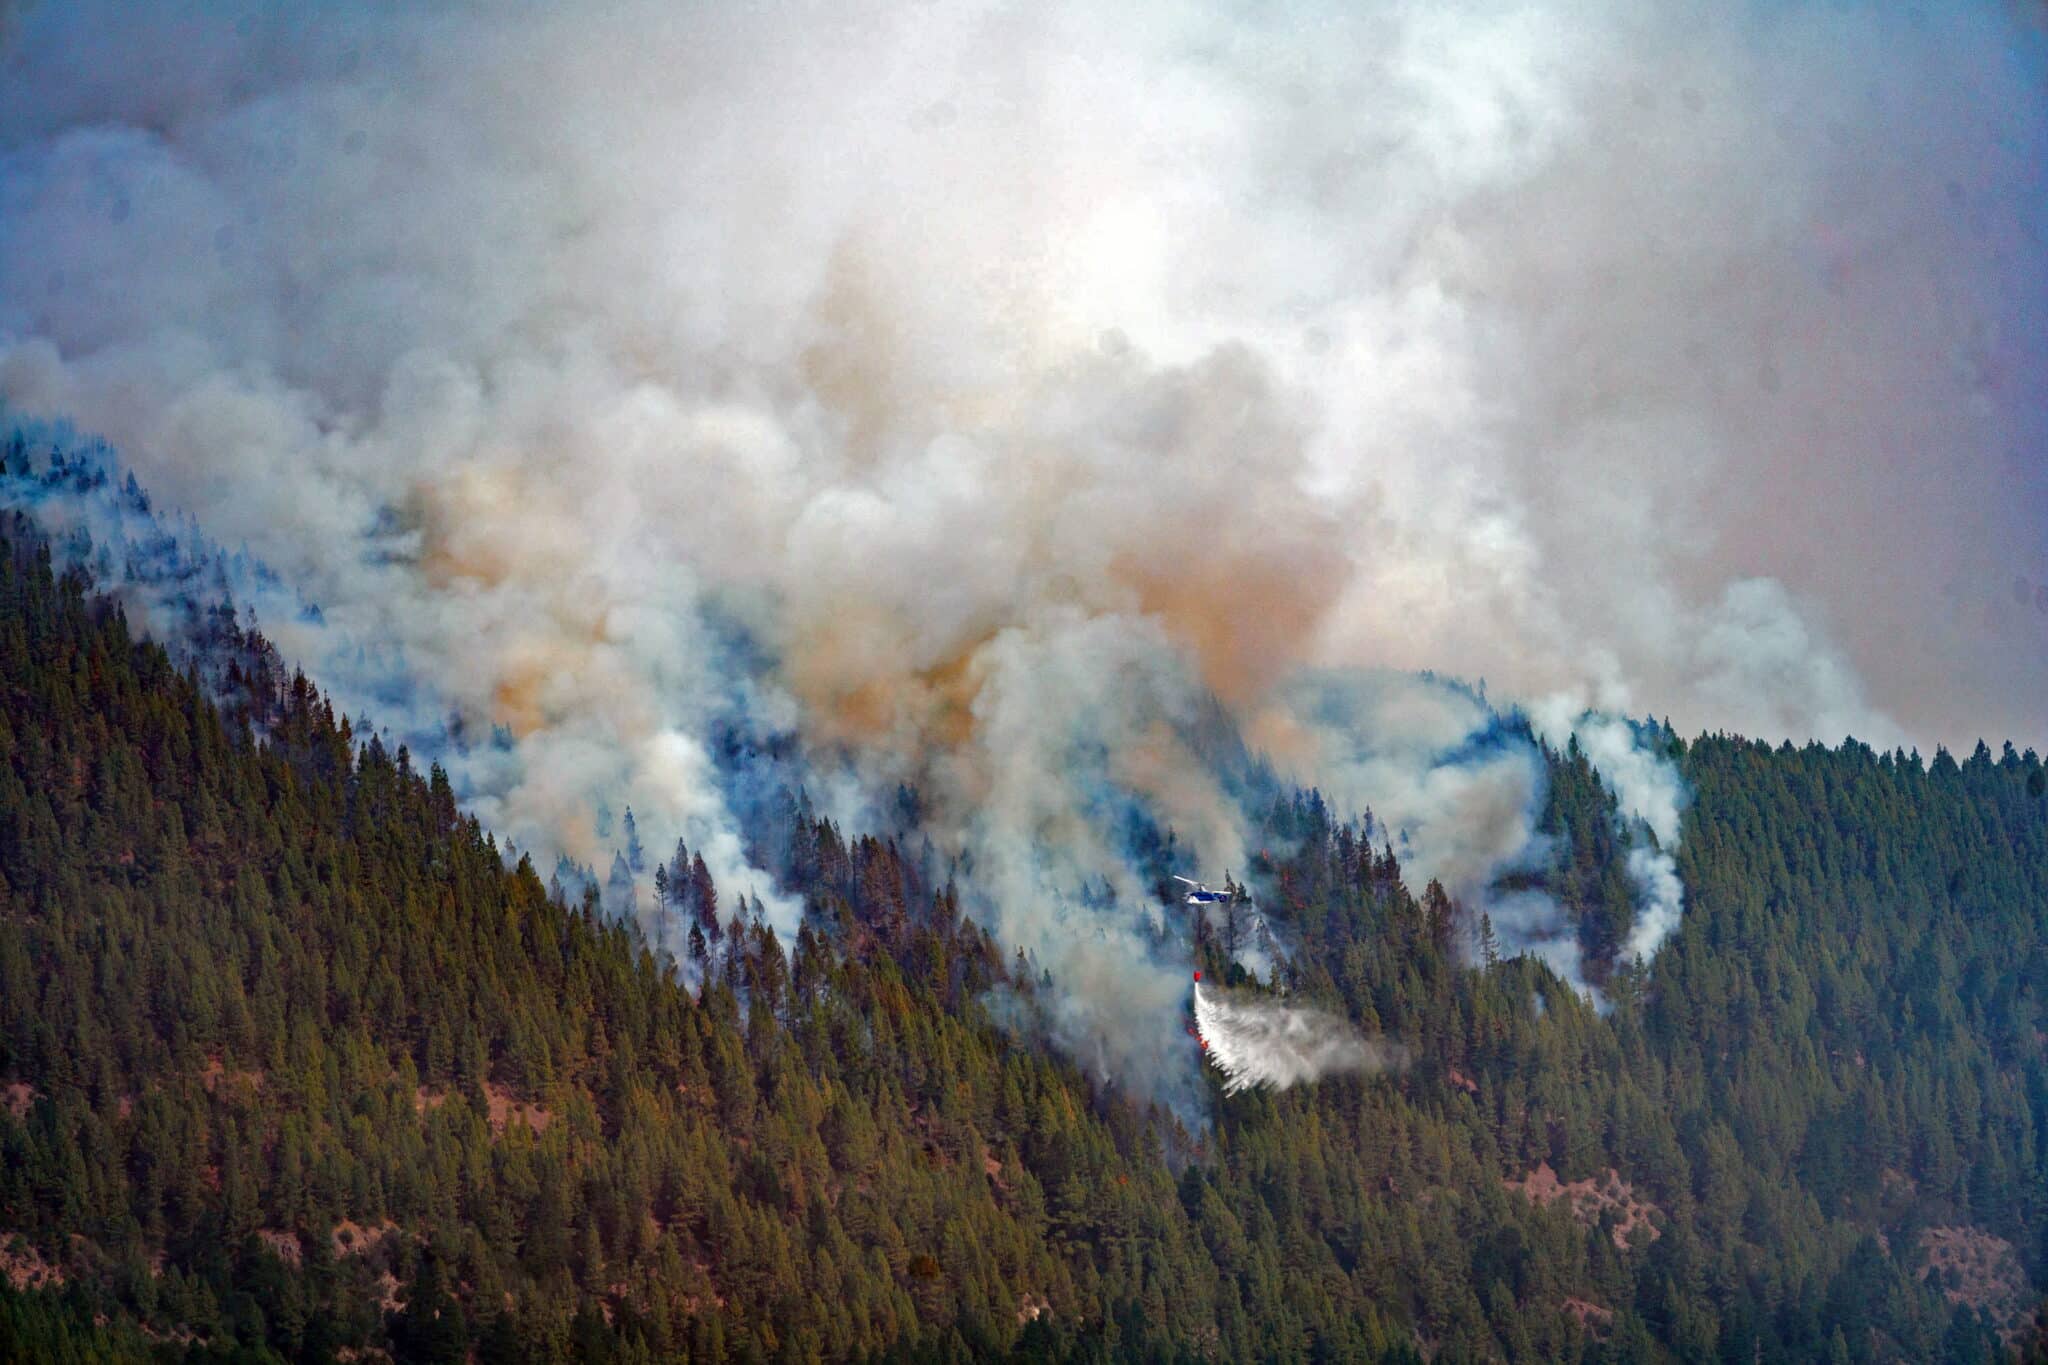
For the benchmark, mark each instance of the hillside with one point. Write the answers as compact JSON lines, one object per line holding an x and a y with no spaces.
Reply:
{"x":298,"y":1064}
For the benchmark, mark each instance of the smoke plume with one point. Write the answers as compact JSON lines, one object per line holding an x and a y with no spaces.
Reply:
{"x":1649,"y":796}
{"x":973,"y":398}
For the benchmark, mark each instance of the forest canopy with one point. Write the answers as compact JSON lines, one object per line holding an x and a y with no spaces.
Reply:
{"x":298,"y":1064}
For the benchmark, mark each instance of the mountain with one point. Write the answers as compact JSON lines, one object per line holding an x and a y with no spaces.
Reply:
{"x":299,"y":1064}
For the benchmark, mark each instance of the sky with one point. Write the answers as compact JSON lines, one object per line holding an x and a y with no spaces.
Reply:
{"x":1014,"y":381}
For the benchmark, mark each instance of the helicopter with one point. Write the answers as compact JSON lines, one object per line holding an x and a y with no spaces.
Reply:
{"x":1199,"y":894}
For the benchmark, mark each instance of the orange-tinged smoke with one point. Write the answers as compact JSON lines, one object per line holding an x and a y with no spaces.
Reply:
{"x":1277,"y":733}
{"x":488,"y":529}
{"x":851,"y":668}
{"x":1248,"y":620}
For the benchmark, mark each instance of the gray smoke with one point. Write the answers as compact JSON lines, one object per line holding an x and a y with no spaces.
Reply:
{"x":966,"y":396}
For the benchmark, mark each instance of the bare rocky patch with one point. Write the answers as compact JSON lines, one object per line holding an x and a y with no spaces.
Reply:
{"x":284,"y":1245}
{"x":351,"y":1238}
{"x":1589,"y":1315}
{"x":502,"y":1108}
{"x":216,"y":1075}
{"x":1591,"y":1198}
{"x":180,"y":1335}
{"x":23,"y":1267}
{"x":507,"y":1109}
{"x":1980,"y":1271}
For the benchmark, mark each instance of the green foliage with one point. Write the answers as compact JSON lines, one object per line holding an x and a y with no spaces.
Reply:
{"x":306,"y":1067}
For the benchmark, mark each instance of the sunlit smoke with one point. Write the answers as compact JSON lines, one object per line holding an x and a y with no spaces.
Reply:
{"x":971,"y":398}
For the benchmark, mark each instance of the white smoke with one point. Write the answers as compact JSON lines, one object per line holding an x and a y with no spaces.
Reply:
{"x":962,"y":396}
{"x":1648,"y":793}
{"x":1662,"y":902}
{"x":1443,"y":775}
{"x":1264,"y":1043}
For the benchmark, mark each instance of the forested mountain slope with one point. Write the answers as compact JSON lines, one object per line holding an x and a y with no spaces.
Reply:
{"x":297,"y":1066}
